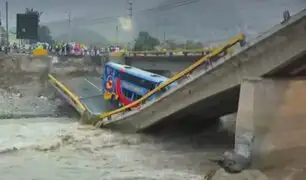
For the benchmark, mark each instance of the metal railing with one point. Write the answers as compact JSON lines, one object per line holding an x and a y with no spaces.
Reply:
{"x":73,"y":97}
{"x":193,"y":52}
{"x":239,"y":39}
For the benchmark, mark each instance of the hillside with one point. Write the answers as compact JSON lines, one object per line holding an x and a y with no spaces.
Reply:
{"x":82,"y":35}
{"x":204,"y":20}
{"x":207,"y":20}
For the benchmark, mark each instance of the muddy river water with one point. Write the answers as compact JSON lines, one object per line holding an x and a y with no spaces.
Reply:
{"x":62,"y":149}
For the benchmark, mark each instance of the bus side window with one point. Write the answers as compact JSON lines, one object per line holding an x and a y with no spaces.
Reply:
{"x":136,"y":97}
{"x":127,"y":93}
{"x":137,"y":81}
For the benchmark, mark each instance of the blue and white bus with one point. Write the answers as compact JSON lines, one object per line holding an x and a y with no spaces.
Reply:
{"x":124,"y":84}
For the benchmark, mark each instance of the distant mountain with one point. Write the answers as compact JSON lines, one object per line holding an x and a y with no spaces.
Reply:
{"x":209,"y":20}
{"x":107,"y":30}
{"x":203,"y":20}
{"x":82,"y":35}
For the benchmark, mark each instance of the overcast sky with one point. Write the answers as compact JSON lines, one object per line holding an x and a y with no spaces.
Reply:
{"x":204,"y":19}
{"x":55,"y":10}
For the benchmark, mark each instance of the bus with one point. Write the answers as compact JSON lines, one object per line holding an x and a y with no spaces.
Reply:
{"x":124,"y":84}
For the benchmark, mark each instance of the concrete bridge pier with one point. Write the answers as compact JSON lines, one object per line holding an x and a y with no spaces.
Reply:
{"x":271,"y":124}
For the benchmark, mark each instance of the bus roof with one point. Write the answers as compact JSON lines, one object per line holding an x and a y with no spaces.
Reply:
{"x":138,"y":72}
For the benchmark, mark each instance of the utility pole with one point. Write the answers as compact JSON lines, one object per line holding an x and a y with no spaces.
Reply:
{"x":2,"y":36}
{"x":130,"y":14}
{"x":69,"y":27}
{"x":117,"y":32}
{"x":130,"y":9}
{"x":0,"y":18}
{"x":6,"y":18}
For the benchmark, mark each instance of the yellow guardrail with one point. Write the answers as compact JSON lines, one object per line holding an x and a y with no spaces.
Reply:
{"x":39,"y":52}
{"x":174,"y":50}
{"x":117,"y":54}
{"x":73,"y":97}
{"x":239,"y":39}
{"x":203,"y":51}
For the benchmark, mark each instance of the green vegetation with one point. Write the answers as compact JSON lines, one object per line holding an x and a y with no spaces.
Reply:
{"x":145,"y":42}
{"x":189,"y":44}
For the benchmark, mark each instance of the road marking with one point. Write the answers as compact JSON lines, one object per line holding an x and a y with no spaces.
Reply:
{"x":93,"y":85}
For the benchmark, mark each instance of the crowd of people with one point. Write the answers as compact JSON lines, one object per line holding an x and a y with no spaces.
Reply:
{"x":64,"y":49}
{"x":76,"y":49}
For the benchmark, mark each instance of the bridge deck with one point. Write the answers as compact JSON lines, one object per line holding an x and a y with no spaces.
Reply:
{"x":83,"y":87}
{"x":88,"y":92}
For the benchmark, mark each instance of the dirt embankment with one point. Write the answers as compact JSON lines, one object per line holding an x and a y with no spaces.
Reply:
{"x":22,"y":89}
{"x":10,"y":73}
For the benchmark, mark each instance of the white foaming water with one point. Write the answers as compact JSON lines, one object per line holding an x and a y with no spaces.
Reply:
{"x":62,"y":149}
{"x":21,"y":134}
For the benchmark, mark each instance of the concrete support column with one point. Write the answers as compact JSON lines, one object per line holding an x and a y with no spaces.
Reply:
{"x":271,"y":124}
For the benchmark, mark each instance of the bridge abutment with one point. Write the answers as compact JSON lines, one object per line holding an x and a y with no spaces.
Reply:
{"x":271,"y":123}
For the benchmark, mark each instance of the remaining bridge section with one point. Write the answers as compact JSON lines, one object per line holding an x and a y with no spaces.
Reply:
{"x":272,"y":110}
{"x":161,"y":63}
{"x":173,"y":61}
{"x":215,"y":91}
